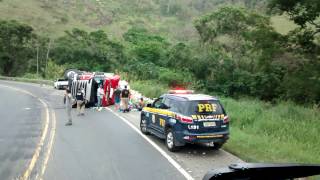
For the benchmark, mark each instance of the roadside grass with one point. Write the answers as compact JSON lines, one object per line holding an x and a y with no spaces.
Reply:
{"x":25,"y":79}
{"x":262,"y":132}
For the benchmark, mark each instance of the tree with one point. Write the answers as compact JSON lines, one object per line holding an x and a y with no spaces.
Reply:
{"x":88,"y":51}
{"x":180,"y":55}
{"x":139,"y":35}
{"x":146,"y":47}
{"x":231,"y":21}
{"x":303,"y":13}
{"x":242,"y":48}
{"x":15,"y":47}
{"x":306,"y":15}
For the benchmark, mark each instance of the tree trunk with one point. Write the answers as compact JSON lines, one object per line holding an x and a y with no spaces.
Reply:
{"x":37,"y":60}
{"x":168,"y":6}
{"x":47,"y":56}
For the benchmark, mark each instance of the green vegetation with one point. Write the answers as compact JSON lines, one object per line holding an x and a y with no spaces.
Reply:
{"x":166,"y":17}
{"x":263,"y":132}
{"x":149,"y":89}
{"x":233,"y":51}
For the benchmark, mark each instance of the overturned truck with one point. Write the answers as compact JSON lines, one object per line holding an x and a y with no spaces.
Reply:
{"x":90,"y":82}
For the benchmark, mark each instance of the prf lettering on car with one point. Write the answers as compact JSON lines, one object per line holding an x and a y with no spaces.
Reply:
{"x":207,"y":108}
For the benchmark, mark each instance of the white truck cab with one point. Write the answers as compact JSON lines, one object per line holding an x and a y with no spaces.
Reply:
{"x":60,"y":84}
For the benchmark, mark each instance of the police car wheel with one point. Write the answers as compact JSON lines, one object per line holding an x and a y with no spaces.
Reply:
{"x":170,"y":141}
{"x":143,"y":126}
{"x":217,"y":146}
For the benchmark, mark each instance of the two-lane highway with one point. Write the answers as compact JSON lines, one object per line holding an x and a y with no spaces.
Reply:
{"x":96,"y":146}
{"x":99,"y":145}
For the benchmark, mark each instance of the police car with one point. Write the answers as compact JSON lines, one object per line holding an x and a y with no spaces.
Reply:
{"x":182,"y":117}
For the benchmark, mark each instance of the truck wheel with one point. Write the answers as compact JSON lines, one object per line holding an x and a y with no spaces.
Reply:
{"x":217,"y":146}
{"x":171,"y":141}
{"x":143,"y":126}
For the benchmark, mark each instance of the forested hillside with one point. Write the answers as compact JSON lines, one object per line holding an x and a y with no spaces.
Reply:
{"x":167,"y":17}
{"x":228,"y":47}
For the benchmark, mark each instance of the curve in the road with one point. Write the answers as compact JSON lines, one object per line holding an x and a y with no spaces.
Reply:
{"x":35,"y":157}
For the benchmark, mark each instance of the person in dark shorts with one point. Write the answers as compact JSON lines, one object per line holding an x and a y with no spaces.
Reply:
{"x":125,"y":94}
{"x":80,"y":102}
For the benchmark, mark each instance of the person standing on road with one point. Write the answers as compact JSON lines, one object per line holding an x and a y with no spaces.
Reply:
{"x":125,"y":94}
{"x":117,"y":94}
{"x":80,"y":102}
{"x":68,"y":103}
{"x":100,"y":94}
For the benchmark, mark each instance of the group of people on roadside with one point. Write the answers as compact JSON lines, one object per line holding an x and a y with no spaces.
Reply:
{"x":122,"y":98}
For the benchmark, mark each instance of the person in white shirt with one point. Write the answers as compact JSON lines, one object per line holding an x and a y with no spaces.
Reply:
{"x":68,"y":103}
{"x":100,"y":94}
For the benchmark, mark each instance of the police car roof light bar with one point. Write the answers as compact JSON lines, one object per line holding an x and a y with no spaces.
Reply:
{"x":180,"y":91}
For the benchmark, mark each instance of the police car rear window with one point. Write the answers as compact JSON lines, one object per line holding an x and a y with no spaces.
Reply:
{"x":203,"y":107}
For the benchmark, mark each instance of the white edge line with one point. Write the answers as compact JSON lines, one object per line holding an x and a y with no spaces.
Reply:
{"x":162,"y":152}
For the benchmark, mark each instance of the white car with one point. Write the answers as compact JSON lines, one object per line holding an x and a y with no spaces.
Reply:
{"x":61,"y":84}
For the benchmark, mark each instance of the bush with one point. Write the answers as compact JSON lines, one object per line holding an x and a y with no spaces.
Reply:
{"x":151,"y":89}
{"x":170,"y":77}
{"x":31,"y":76}
{"x":54,"y":71}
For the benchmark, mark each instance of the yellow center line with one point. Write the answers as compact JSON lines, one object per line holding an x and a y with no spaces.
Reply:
{"x":27,"y":172}
{"x":51,"y":140}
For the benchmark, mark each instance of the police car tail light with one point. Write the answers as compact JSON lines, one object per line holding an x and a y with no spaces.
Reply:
{"x":226,"y":119}
{"x":184,"y":119}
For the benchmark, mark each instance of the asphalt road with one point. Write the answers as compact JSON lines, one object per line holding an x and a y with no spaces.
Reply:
{"x":100,"y":145}
{"x":20,"y":130}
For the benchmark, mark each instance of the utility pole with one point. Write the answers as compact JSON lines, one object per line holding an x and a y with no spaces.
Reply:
{"x":37,"y":60}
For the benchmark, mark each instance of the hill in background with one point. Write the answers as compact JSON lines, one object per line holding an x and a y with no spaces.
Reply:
{"x":171,"y":18}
